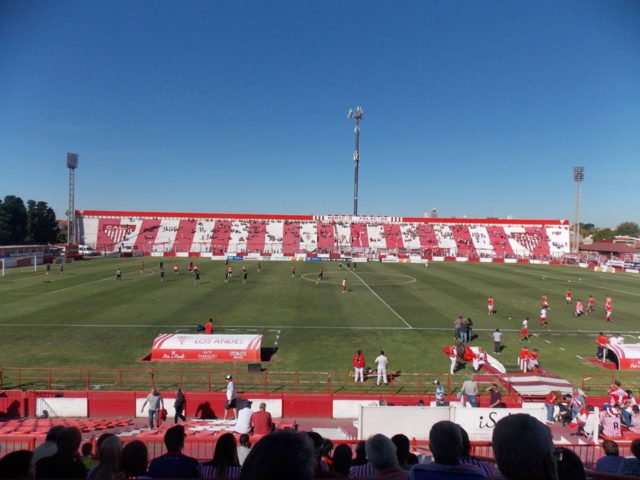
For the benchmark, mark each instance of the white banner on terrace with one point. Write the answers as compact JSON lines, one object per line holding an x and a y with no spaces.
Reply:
{"x":412,"y":421}
{"x":480,"y":422}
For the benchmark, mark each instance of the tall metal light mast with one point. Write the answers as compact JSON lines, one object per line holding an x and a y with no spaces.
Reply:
{"x":357,"y":117}
{"x":578,"y":177}
{"x":72,"y":164}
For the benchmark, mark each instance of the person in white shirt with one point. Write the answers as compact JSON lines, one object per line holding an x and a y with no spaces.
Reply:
{"x":243,"y":423}
{"x":497,"y":341}
{"x":232,"y":397}
{"x":381,"y":366}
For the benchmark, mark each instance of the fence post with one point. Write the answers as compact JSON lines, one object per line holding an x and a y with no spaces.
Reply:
{"x":448,"y":384}
{"x":209,"y":382}
{"x":88,"y":379}
{"x":120,"y":378}
{"x":329,"y":383}
{"x":49,"y":383}
{"x":265,"y":381}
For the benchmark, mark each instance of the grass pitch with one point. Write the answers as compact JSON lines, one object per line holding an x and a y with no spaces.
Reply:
{"x":85,"y":318}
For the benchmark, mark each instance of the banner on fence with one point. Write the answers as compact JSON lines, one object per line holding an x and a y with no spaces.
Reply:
{"x":176,"y":347}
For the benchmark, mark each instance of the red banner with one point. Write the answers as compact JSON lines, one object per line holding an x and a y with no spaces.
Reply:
{"x":176,"y":347}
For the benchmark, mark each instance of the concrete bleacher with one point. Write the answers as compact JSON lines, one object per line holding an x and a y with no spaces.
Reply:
{"x":224,"y":234}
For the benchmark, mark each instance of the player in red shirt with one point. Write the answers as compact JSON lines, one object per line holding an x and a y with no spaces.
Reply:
{"x":591,"y":304}
{"x":579,"y":308}
{"x":567,"y":297}
{"x":524,"y":331}
{"x":490,"y":309}
{"x":608,"y":301}
{"x":293,"y":271}
{"x":523,"y":359}
{"x":175,"y":270}
{"x":609,"y":313}
{"x":544,"y":301}
{"x":208,"y":327}
{"x":618,"y":395}
{"x":358,"y":365}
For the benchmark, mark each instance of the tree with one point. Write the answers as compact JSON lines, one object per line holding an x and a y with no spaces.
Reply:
{"x":42,"y":226}
{"x":603,"y":234}
{"x":630,"y":229}
{"x":13,"y":221}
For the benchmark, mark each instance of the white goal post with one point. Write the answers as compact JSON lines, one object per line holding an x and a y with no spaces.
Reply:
{"x":13,"y":262}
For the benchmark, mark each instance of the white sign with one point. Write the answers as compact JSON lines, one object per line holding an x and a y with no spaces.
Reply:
{"x":480,"y":422}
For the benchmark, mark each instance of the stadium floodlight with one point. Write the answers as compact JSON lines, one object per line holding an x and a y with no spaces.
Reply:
{"x":357,"y":117}
{"x":578,"y":177}
{"x":72,"y":164}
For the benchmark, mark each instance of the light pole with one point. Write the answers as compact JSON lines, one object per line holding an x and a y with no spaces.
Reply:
{"x":72,"y":164}
{"x":357,"y":117}
{"x":578,"y":177}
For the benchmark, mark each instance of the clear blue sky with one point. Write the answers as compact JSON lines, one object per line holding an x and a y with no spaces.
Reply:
{"x":477,"y":108}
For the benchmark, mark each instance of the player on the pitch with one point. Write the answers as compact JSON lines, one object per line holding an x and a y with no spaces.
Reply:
{"x":608,"y":308}
{"x":567,"y":297}
{"x":175,"y":270}
{"x":320,"y":276}
{"x":293,"y":271}
{"x":524,"y":331}
{"x":579,"y":308}
{"x":544,"y":301}
{"x":344,"y":285}
{"x":591,"y":304}
{"x":490,"y":303}
{"x":543,"y":316}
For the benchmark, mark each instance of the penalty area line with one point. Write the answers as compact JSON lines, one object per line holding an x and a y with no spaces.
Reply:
{"x":380,"y":298}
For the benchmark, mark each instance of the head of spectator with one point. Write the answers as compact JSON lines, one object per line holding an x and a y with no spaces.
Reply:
{"x":17,"y":465}
{"x":53,"y":433}
{"x":244,"y":439}
{"x":570,"y":466}
{"x":285,"y":455}
{"x":635,"y":448}
{"x":403,"y":448}
{"x":101,"y":439}
{"x":445,"y":442}
{"x":342,"y":460}
{"x":610,"y":448}
{"x":109,"y":454}
{"x":174,"y":439}
{"x":381,"y":453}
{"x":86,"y":450}
{"x":523,"y":448}
{"x":225,"y":455}
{"x":69,"y":442}
{"x":135,"y":458}
{"x":361,"y":453}
{"x":466,"y":443}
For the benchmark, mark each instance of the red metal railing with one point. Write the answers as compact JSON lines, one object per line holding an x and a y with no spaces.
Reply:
{"x":600,"y":383}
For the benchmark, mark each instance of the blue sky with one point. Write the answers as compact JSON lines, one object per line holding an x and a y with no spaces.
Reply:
{"x":477,"y":108}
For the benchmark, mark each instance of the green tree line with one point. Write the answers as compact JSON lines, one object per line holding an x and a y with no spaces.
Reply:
{"x":630,"y":229}
{"x":33,"y":223}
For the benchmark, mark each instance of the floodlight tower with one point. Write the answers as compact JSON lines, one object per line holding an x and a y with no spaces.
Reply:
{"x":72,"y":164}
{"x":357,"y":117}
{"x":578,"y":177}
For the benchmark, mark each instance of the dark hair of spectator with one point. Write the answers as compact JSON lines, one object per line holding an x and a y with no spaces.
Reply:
{"x":445,"y":442}
{"x":402,"y":448}
{"x":570,"y":466}
{"x":174,"y":438}
{"x":16,"y":465}
{"x":610,"y":448}
{"x":69,"y":441}
{"x":284,"y":455}
{"x":342,"y":460}
{"x":361,"y":454}
{"x":225,"y":455}
{"x":135,"y":459}
{"x":635,"y":448}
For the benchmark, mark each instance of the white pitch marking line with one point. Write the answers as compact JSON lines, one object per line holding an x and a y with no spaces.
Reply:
{"x":547,"y":341}
{"x":81,"y":285}
{"x":563,"y":349}
{"x":579,"y":357}
{"x":379,"y":298}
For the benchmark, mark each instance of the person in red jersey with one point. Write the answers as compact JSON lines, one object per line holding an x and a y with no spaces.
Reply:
{"x":608,"y":301}
{"x":293,"y":271}
{"x":602,"y":341}
{"x":490,"y":303}
{"x":261,"y":421}
{"x":567,"y":297}
{"x":524,"y":331}
{"x":617,"y":394}
{"x":358,"y":365}
{"x":523,"y":359}
{"x":208,"y":327}
{"x":544,"y":301}
{"x":579,"y":308}
{"x":591,"y":304}
{"x":608,"y":313}
{"x":175,"y":269}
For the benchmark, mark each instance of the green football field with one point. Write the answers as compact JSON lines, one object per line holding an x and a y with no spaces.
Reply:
{"x":85,"y":318}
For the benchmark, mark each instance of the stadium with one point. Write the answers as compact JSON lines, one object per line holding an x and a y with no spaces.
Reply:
{"x":195,"y":310}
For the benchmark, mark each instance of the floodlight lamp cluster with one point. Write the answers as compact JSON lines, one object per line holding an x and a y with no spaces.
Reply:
{"x":578,"y":174}
{"x":72,"y":160}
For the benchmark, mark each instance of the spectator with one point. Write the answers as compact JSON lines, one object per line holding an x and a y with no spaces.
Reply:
{"x":382,"y":455}
{"x":469,"y":392}
{"x":225,"y":464}
{"x":322,"y":468}
{"x":109,"y":455}
{"x":342,"y":461}
{"x":612,"y":460}
{"x":179,"y":406}
{"x":87,"y":455}
{"x":66,"y":463}
{"x":523,"y":448}
{"x":135,"y":458}
{"x":243,"y":419}
{"x":174,"y":464}
{"x":406,"y":459}
{"x":631,"y":466}
{"x":495,"y":400}
{"x":17,"y":465}
{"x":284,"y":455}
{"x":49,"y":447}
{"x":466,"y":458}
{"x":244,"y":448}
{"x":570,"y":466}
{"x":445,"y":442}
{"x":361,"y":455}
